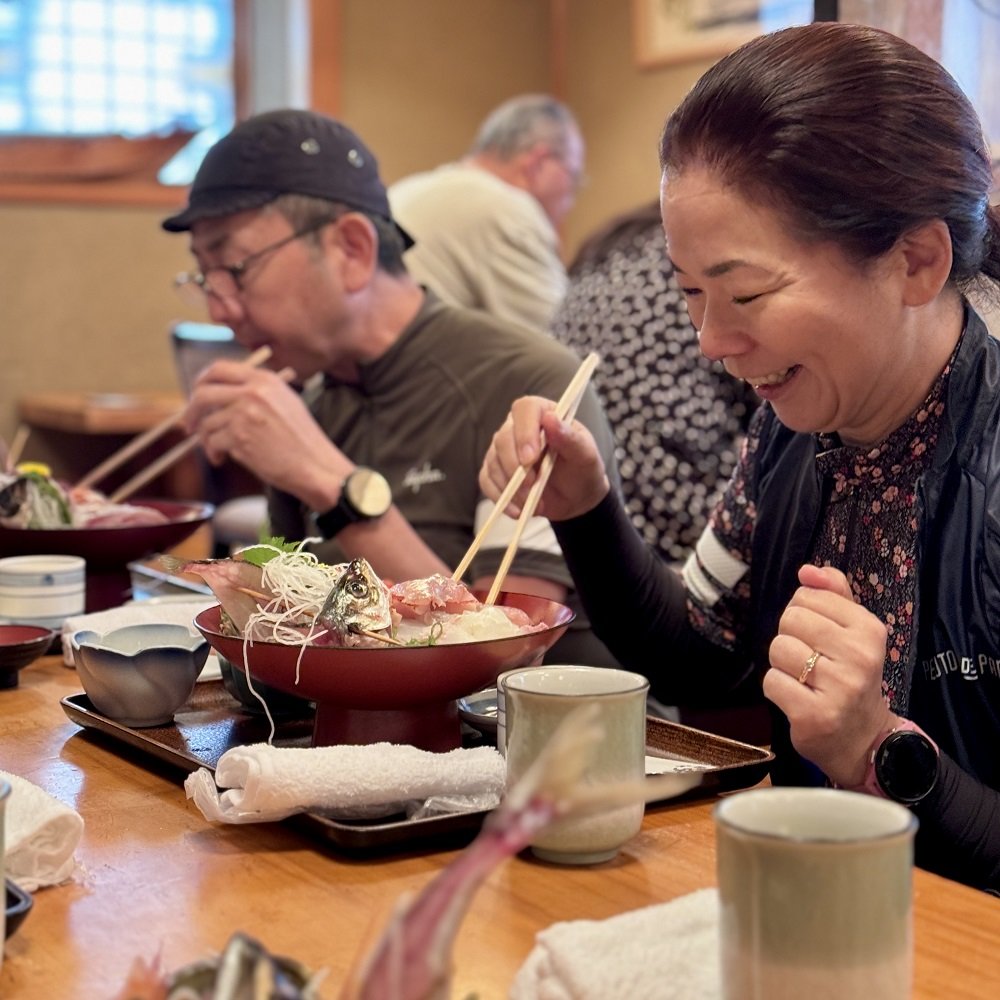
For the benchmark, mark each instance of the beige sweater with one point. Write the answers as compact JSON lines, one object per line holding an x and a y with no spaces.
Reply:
{"x":481,"y":243}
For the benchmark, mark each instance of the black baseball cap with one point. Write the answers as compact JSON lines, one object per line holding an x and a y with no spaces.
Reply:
{"x":291,"y":151}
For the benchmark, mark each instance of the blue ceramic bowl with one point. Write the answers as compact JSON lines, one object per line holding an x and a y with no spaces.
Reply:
{"x":139,"y":675}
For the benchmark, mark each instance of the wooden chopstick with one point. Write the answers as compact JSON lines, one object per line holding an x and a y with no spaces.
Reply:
{"x":168,"y":458}
{"x":17,"y":446}
{"x":145,"y":439}
{"x":528,"y":510}
{"x":570,"y":398}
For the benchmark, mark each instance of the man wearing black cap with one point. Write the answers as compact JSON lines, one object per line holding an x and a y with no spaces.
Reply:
{"x":297,"y":251}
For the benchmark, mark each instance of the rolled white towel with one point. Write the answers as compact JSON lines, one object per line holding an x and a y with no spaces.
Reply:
{"x":261,"y":783}
{"x":669,"y":951}
{"x":42,"y":835}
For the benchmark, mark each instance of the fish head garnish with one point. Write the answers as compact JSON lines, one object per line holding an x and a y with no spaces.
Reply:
{"x":13,"y":493}
{"x":358,"y":602}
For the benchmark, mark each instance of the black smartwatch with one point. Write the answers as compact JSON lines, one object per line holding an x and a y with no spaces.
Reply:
{"x":364,"y":496}
{"x":905,"y":765}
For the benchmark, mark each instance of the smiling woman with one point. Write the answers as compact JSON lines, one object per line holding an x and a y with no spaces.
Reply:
{"x":831,"y":269}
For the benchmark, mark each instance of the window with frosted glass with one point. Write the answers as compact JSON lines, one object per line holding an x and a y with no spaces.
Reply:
{"x":119,"y":67}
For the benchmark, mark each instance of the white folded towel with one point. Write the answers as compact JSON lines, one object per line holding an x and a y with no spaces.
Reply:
{"x":669,"y":951}
{"x":263,"y":783}
{"x":42,"y":834}
{"x":137,"y":613}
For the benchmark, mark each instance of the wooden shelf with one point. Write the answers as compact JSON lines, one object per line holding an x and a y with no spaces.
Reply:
{"x":98,"y":413}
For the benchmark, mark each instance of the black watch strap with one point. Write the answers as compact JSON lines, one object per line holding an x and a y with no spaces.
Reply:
{"x":364,"y":496}
{"x":333,"y":521}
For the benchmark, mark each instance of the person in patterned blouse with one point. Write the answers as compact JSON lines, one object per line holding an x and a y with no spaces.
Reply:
{"x":678,"y":417}
{"x":825,"y":201}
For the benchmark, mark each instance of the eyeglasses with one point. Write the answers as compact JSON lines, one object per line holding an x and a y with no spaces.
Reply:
{"x":577,"y":178}
{"x":226,"y":280}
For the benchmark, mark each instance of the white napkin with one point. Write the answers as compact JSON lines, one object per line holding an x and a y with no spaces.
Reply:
{"x":669,"y":951}
{"x":41,"y":835}
{"x":263,"y":783}
{"x":139,"y":613}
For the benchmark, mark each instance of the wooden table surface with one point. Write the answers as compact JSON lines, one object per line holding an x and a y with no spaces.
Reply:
{"x":157,"y":876}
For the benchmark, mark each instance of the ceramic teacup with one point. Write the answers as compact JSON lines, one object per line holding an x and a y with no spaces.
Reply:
{"x":814,"y":886}
{"x":536,"y":700}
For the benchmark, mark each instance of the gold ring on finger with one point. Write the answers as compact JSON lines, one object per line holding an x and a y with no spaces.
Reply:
{"x":809,"y":666}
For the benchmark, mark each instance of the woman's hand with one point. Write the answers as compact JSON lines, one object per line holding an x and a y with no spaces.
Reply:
{"x":578,"y":481}
{"x":837,"y":710}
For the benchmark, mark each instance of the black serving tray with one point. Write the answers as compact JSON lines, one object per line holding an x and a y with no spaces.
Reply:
{"x":213,"y":722}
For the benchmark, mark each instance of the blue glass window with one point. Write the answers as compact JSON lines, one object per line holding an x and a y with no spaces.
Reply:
{"x":128,"y":67}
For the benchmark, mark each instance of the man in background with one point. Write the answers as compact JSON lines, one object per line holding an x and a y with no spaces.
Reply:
{"x":296,"y":250}
{"x":486,"y":227}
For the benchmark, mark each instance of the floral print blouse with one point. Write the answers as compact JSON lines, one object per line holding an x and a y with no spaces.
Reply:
{"x":867,"y":530}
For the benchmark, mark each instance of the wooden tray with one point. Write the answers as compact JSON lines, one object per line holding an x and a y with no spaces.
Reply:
{"x":213,"y":722}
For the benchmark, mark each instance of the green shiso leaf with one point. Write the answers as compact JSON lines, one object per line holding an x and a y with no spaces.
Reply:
{"x":266,"y":550}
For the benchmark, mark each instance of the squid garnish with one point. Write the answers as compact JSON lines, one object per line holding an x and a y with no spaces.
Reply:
{"x":412,"y":958}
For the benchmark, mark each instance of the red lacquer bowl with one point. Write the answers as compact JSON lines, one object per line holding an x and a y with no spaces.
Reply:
{"x":391,"y":694}
{"x":109,"y":550}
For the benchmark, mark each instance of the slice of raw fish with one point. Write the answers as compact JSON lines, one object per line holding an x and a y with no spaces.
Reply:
{"x":108,"y":515}
{"x":234,"y":582}
{"x":418,"y":599}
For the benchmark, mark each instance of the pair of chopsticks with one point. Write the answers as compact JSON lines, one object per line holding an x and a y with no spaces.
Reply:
{"x":168,"y":458}
{"x":566,"y":410}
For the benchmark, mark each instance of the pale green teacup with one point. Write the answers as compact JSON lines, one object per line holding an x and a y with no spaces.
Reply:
{"x":536,"y":700}
{"x":815,"y":891}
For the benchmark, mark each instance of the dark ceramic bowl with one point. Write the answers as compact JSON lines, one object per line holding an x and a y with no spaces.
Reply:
{"x":278,"y":702}
{"x":18,"y":903}
{"x":19,"y":646}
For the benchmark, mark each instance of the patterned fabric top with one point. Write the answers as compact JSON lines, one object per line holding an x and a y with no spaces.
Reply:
{"x":869,"y":526}
{"x":678,"y":418}
{"x":867,"y":530}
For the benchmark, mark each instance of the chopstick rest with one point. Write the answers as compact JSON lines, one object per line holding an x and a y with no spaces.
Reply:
{"x":262,"y":783}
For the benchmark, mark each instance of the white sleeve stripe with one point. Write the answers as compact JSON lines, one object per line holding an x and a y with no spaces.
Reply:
{"x":699,"y":586}
{"x":710,"y":567}
{"x":718,"y":560}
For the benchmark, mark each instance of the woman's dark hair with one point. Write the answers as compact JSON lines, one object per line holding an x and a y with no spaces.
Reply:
{"x":855,"y":135}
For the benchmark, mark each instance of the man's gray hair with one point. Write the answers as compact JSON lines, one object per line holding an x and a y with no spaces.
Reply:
{"x":521,"y":122}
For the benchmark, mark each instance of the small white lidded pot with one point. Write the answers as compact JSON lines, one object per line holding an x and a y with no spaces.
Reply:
{"x":42,"y":590}
{"x":139,"y":675}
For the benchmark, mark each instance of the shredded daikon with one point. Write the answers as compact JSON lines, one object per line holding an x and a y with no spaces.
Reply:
{"x":301,"y":585}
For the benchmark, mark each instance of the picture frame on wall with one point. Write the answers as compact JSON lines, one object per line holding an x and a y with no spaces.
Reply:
{"x":666,"y":32}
